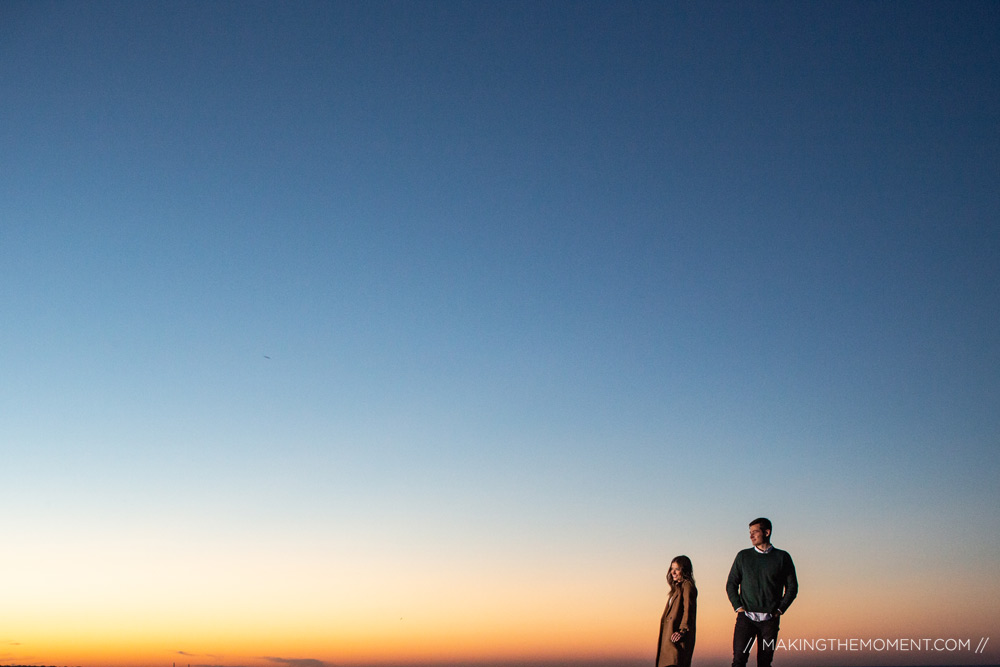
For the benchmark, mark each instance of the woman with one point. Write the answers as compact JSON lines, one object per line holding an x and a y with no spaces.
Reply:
{"x":677,"y":626}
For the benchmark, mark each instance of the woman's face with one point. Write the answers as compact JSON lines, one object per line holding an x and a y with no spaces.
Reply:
{"x":675,"y":572}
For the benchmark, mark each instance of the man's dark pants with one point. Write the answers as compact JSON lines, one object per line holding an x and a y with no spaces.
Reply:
{"x":765,"y":633}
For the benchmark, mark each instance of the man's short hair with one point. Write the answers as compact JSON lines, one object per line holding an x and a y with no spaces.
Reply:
{"x":765,"y":524}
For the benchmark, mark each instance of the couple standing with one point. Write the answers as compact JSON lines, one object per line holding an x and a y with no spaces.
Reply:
{"x":761,"y":585}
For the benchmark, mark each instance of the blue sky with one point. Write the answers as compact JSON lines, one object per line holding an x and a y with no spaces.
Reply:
{"x":534,"y":280}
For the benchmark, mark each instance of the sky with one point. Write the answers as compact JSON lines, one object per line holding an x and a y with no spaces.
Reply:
{"x":398,"y":333}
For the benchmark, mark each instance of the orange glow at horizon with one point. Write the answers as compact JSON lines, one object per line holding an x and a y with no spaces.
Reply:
{"x":473,"y":613}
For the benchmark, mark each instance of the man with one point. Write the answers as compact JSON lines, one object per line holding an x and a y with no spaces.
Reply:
{"x":761,"y":585}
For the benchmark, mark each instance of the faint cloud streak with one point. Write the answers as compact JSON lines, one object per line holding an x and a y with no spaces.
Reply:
{"x":299,"y":662}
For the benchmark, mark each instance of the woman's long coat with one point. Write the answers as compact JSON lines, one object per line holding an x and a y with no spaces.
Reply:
{"x":679,"y":616}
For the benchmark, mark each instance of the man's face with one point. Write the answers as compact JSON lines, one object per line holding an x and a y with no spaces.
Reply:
{"x":759,"y":537}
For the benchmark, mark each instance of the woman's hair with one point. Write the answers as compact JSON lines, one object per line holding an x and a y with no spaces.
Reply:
{"x":687,"y":571}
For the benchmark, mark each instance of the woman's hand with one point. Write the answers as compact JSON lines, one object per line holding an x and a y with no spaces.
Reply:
{"x":676,"y":637}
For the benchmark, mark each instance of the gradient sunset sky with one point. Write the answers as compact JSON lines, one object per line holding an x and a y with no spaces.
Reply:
{"x":382,"y":333}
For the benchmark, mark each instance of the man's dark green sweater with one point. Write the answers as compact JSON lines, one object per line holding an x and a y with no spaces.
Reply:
{"x":762,"y":582}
